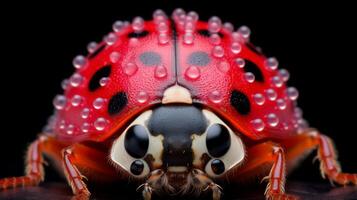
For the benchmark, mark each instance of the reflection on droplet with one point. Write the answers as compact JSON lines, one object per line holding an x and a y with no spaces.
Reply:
{"x":240,"y":62}
{"x":271,"y":63}
{"x":92,"y":46}
{"x":85,"y":127}
{"x":284,"y":74}
{"x":277,"y":81}
{"x":76,"y":100}
{"x":249,"y":77}
{"x":215,"y":97}
{"x":292,"y":93}
{"x":281,"y":104}
{"x":188,"y":38}
{"x":214,"y":24}
{"x":138,"y":24}
{"x":118,"y":26}
{"x":70,"y":129}
{"x":76,"y":80}
{"x":114,"y":57}
{"x":59,"y":102}
{"x":236,"y":47}
{"x":130,"y":68}
{"x":258,"y":125}
{"x":259,"y":99}
{"x":160,"y":71}
{"x":110,"y":39}
{"x":193,"y":72}
{"x":100,"y":124}
{"x":272,"y":120}
{"x":224,"y":66}
{"x":215,"y":39}
{"x":228,"y":26}
{"x":104,"y":81}
{"x":79,"y":62}
{"x":244,"y":31}
{"x":62,"y":125}
{"x":64,"y":84}
{"x":271,"y":94}
{"x":98,"y":103}
{"x":218,"y":51}
{"x":142,"y":97}
{"x":163,"y":38}
{"x":85,"y":113}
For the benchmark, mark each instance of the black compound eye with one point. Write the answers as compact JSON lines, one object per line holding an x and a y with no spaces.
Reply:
{"x":199,"y":58}
{"x":254,"y":69}
{"x":138,"y":34}
{"x":240,"y":102}
{"x":218,"y":140}
{"x":217,"y":166}
{"x":101,"y":73}
{"x":150,"y":58}
{"x":137,"y":167}
{"x":117,"y":103}
{"x":136,"y":141}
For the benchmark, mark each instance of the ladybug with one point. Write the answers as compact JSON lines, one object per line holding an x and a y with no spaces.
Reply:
{"x":177,"y":105}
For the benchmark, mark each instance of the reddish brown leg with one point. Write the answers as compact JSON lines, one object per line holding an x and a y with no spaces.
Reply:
{"x":34,"y":169}
{"x":327,"y":156}
{"x":74,"y":177}
{"x":261,"y":158}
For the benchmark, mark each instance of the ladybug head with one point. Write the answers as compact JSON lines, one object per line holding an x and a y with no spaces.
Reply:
{"x":177,"y":139}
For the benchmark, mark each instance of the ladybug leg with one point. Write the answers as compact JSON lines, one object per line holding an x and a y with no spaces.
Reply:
{"x":34,"y":168}
{"x":327,"y":156}
{"x":74,"y":177}
{"x":260,"y":159}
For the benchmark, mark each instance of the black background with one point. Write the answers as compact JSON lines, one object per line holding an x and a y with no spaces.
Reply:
{"x":316,"y":43}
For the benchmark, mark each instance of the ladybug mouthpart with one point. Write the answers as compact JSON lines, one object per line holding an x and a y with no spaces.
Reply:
{"x":175,"y":60}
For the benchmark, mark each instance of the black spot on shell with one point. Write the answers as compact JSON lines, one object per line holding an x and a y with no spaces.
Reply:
{"x":138,"y":34}
{"x":206,"y":33}
{"x":198,"y":58}
{"x":254,"y":69}
{"x":150,"y":58}
{"x":97,"y":51}
{"x":240,"y":102}
{"x":117,"y":103}
{"x":101,"y":73}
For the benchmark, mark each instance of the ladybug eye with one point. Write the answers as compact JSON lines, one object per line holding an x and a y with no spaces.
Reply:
{"x":218,"y":140}
{"x":223,"y":148}
{"x":136,"y":141}
{"x":136,"y":150}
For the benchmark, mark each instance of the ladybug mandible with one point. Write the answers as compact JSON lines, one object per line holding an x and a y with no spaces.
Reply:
{"x":178,"y":105}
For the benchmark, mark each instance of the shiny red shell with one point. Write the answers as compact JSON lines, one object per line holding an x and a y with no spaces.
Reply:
{"x":80,"y":115}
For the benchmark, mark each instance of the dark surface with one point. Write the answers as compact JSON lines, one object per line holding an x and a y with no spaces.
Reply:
{"x":60,"y":191}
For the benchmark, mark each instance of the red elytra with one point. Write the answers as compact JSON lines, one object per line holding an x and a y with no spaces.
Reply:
{"x":215,"y":70}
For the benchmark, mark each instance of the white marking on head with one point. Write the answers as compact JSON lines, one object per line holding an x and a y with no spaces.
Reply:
{"x":177,"y":94}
